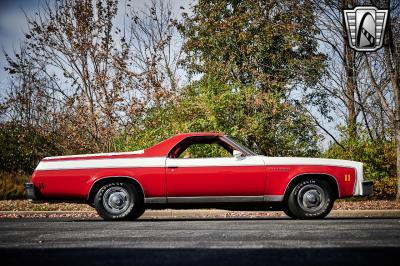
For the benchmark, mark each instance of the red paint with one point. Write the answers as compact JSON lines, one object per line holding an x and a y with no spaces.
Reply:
{"x":216,"y":181}
{"x":184,"y":181}
{"x":77,"y":183}
{"x":279,"y":177}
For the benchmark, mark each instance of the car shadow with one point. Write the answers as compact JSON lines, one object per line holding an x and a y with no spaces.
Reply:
{"x":200,"y":256}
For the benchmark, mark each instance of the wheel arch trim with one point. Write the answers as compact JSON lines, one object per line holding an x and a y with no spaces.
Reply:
{"x":89,"y":194}
{"x":310,"y":174}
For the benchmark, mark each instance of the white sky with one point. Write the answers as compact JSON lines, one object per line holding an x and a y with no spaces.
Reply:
{"x":13,"y":24}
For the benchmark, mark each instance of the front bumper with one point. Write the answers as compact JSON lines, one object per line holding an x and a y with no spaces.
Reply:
{"x":367,"y":188}
{"x":30,"y":191}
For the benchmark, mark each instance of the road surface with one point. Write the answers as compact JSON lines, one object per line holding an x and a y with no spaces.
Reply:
{"x":264,"y":241}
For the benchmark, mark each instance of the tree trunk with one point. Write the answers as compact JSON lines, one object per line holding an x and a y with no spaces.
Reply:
{"x":397,"y":133}
{"x":351,"y":76}
{"x":392,"y":60}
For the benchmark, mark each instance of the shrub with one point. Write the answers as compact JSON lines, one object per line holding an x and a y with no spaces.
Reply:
{"x":385,"y":189}
{"x":12,"y":185}
{"x":378,"y":157}
{"x":22,"y":147}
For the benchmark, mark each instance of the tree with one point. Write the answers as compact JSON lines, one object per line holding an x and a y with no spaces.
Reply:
{"x":258,"y":119}
{"x":389,"y":92}
{"x":72,"y":44}
{"x":363,"y":86}
{"x":341,"y":80}
{"x":102,"y":77}
{"x":265,"y":52}
{"x":28,"y":100}
{"x":267,"y":44}
{"x":155,"y":51}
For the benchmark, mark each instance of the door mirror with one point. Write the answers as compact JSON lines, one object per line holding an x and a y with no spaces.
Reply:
{"x":237,"y":154}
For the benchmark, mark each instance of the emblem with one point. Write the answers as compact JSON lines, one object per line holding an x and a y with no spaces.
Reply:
{"x":365,"y":27}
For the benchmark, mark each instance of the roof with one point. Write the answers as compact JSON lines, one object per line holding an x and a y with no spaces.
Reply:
{"x":164,"y":147}
{"x":200,"y":134}
{"x":159,"y":150}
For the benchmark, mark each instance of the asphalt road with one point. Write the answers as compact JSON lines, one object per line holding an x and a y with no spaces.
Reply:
{"x":272,"y":241}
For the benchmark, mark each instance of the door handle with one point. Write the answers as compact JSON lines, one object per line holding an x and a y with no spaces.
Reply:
{"x":172,"y":166}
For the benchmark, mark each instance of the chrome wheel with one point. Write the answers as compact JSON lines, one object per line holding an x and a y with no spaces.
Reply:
{"x":311,"y":198}
{"x":116,"y":200}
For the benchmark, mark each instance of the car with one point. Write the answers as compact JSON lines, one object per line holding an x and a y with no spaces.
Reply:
{"x":197,"y":170}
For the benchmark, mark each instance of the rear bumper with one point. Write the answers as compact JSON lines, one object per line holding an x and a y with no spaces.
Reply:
{"x":367,"y":188}
{"x":30,"y":191}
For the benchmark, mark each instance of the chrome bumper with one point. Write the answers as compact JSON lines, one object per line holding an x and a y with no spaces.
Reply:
{"x":30,"y":191}
{"x":367,"y":188}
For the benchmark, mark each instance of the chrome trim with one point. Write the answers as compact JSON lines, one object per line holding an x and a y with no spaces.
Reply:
{"x":215,"y":199}
{"x":117,"y":176}
{"x":225,"y":139}
{"x":312,"y":173}
{"x":30,"y":191}
{"x":274,"y":198}
{"x":204,"y":166}
{"x":246,"y":151}
{"x":155,"y":200}
{"x":367,"y":188}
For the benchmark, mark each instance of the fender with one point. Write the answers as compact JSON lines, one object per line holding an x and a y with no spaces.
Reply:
{"x":298,"y":176}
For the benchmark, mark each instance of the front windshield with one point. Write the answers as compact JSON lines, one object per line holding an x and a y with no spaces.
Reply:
{"x":240,"y":146}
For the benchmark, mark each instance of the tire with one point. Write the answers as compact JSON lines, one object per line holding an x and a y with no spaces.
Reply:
{"x":310,"y":199}
{"x":118,"y":201}
{"x":139,"y":212}
{"x":289,"y":213}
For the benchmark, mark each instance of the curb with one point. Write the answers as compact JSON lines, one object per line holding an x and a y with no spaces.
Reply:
{"x":207,"y":213}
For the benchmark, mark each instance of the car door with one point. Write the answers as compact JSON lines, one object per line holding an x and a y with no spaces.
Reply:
{"x":215,"y":179}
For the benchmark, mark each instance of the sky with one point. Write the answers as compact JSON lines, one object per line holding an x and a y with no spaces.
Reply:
{"x":13,"y":24}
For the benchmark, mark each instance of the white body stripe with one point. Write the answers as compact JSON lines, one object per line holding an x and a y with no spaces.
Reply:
{"x":97,"y":154}
{"x":309,"y":161}
{"x":102,"y":163}
{"x":200,"y":162}
{"x":208,"y":162}
{"x":195,"y":162}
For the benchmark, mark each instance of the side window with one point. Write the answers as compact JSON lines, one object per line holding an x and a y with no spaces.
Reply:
{"x":203,"y":150}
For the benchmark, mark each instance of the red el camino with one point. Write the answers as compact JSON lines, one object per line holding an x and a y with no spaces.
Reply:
{"x":122,"y":185}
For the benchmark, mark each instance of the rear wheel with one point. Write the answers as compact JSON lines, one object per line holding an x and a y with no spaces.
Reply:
{"x":289,"y":213}
{"x":310,"y":199}
{"x":118,"y":201}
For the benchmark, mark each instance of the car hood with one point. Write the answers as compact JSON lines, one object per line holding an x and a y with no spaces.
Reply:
{"x":309,"y":161}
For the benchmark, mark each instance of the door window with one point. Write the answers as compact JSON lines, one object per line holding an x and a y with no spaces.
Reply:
{"x":205,"y":151}
{"x":202,"y":147}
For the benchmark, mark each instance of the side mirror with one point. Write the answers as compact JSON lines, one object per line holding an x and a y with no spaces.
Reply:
{"x":237,"y":154}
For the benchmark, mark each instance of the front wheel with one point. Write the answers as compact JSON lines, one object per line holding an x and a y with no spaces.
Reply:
{"x":118,"y":201}
{"x":310,"y":199}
